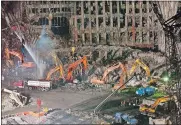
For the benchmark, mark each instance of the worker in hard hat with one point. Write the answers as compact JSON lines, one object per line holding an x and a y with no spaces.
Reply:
{"x":73,"y":54}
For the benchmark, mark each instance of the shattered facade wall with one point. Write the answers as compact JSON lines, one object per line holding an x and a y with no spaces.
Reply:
{"x":131,"y":23}
{"x":115,"y":23}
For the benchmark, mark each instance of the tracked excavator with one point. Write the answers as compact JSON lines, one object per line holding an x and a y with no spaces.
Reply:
{"x":20,"y":56}
{"x":150,"y":110}
{"x":95,"y":80}
{"x":137,"y":63}
{"x":58,"y":67}
{"x":74,"y":65}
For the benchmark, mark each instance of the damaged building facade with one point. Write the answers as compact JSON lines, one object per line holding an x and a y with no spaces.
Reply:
{"x":131,"y":23}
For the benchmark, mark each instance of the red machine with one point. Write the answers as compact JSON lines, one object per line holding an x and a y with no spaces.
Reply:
{"x":19,"y":84}
{"x":74,"y":65}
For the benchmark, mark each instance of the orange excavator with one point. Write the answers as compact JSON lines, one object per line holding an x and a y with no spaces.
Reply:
{"x":94,"y":80}
{"x":20,"y":56}
{"x":74,"y":65}
{"x":60,"y":68}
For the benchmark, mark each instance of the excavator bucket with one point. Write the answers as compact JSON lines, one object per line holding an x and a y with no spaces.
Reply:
{"x":95,"y":81}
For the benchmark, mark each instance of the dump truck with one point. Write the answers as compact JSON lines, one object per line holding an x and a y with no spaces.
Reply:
{"x":30,"y":84}
{"x":41,"y":85}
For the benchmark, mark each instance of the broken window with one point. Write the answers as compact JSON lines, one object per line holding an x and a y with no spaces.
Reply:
{"x":94,"y":40}
{"x":122,"y":20}
{"x":78,"y":8}
{"x":107,"y":6}
{"x":86,"y":8}
{"x":79,"y":23}
{"x":115,"y":22}
{"x":137,"y":37}
{"x":44,"y":10}
{"x":144,"y":9}
{"x":137,"y":21}
{"x":100,"y":21}
{"x":108,"y":21}
{"x":114,"y":7}
{"x":43,"y":21}
{"x":93,"y":8}
{"x":137,"y":7}
{"x":87,"y":36}
{"x":144,"y":21}
{"x":93,"y":23}
{"x":100,"y":7}
{"x":33,"y":10}
{"x":129,"y":21}
{"x":86,"y":22}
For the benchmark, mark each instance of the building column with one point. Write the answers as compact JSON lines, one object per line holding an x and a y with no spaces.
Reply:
{"x":104,"y":20}
{"x":82,"y":22}
{"x":97,"y":24}
{"x":90,"y":29}
{"x":111,"y":21}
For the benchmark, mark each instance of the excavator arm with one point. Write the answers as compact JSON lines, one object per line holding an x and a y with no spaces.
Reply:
{"x":112,"y":68}
{"x":60,"y":68}
{"x":144,"y":66}
{"x":74,"y":65}
{"x":17,"y":54}
{"x":152,"y":108}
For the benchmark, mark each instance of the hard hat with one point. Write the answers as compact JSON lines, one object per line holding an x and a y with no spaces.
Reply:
{"x":73,"y":49}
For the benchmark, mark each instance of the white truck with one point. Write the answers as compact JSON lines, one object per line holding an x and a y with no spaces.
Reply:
{"x":41,"y":85}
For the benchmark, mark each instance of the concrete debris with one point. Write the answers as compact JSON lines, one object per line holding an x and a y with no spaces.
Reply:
{"x":76,"y":81}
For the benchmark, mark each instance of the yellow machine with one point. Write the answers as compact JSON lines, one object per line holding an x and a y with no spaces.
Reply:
{"x":95,"y":80}
{"x":152,"y":108}
{"x":137,"y":63}
{"x":60,"y":68}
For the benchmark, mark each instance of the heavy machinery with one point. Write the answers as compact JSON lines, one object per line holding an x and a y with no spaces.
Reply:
{"x":20,"y":56}
{"x":145,"y":91}
{"x":95,"y":80}
{"x":150,"y":110}
{"x":17,"y":54}
{"x":41,"y":85}
{"x":119,"y":117}
{"x":74,"y":65}
{"x":20,"y":99}
{"x":57,"y":68}
{"x":137,"y":63}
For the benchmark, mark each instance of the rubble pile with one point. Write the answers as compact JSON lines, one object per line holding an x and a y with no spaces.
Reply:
{"x":7,"y":103}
